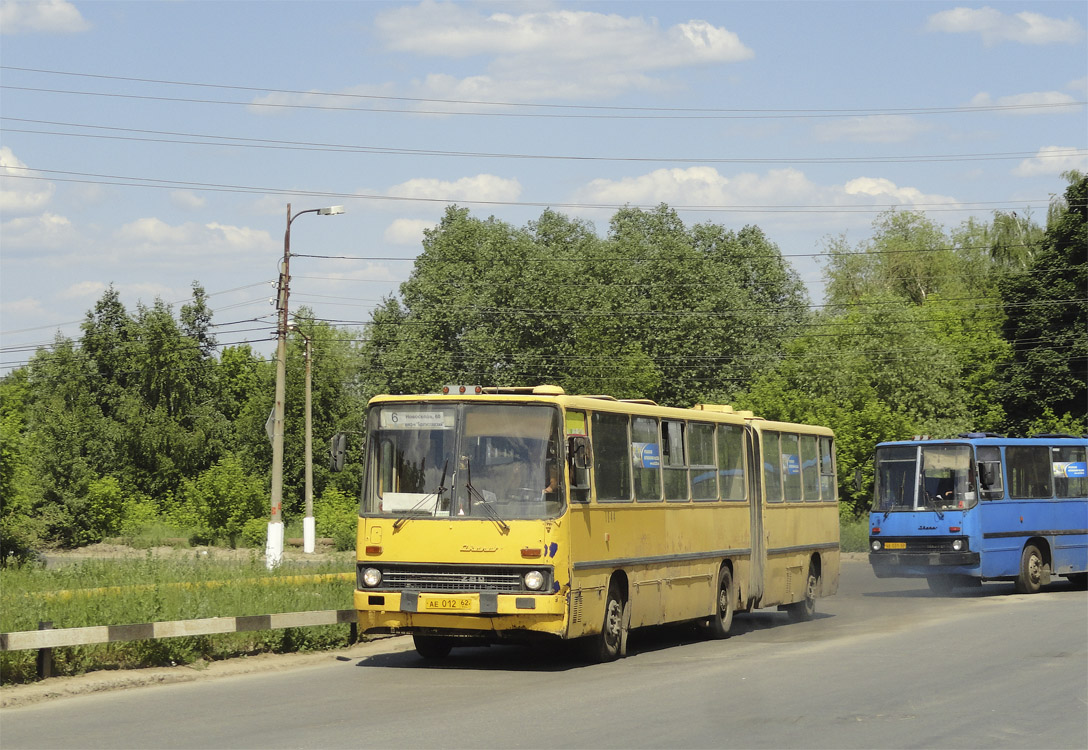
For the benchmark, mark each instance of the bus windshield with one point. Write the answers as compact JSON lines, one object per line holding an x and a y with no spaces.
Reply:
{"x":462,"y":461}
{"x":927,"y":477}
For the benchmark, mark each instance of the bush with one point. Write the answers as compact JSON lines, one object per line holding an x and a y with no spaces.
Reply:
{"x":255,"y":532}
{"x":336,"y":515}
{"x":221,"y":500}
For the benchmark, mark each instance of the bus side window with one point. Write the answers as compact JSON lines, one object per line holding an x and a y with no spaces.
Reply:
{"x":731,"y":462}
{"x":646,"y":455}
{"x":772,"y":469}
{"x":611,"y":457}
{"x":1029,"y":472}
{"x":810,"y":470}
{"x":791,"y":469}
{"x":1069,"y":471}
{"x":828,"y":490}
{"x":674,"y":460}
{"x":704,"y":472}
{"x":991,"y":484}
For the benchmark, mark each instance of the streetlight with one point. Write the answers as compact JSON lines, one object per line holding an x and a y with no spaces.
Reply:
{"x":273,"y":551}
{"x":309,"y":531}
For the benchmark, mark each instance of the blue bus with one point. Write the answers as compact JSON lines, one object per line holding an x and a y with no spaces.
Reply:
{"x":981,"y":507}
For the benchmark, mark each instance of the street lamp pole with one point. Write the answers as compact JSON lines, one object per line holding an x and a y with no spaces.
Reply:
{"x":273,"y":551}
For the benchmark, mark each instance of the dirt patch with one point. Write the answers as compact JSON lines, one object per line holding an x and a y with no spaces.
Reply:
{"x":13,"y":696}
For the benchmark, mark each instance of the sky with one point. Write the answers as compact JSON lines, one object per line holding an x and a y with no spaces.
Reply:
{"x":148,"y":145}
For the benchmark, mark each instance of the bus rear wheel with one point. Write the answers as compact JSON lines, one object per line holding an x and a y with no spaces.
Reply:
{"x":806,"y":608}
{"x":721,"y":621}
{"x":1030,"y":579}
{"x":432,"y":646}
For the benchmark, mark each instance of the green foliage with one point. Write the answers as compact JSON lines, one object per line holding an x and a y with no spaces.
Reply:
{"x":103,"y":508}
{"x":116,"y":592}
{"x":222,"y":499}
{"x":552,"y":302}
{"x":336,"y":515}
{"x":1047,"y":320}
{"x":255,"y":532}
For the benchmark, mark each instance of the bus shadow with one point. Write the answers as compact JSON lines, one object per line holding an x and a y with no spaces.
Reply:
{"x":980,"y":591}
{"x":562,"y":656}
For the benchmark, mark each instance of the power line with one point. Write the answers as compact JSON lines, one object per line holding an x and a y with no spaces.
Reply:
{"x":160,"y":183}
{"x":219,"y":141}
{"x":550,"y":111}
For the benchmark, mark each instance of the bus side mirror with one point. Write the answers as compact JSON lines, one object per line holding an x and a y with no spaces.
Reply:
{"x":338,"y":448}
{"x":579,"y":452}
{"x":986,"y":476}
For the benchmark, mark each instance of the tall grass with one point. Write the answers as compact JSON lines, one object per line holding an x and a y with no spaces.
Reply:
{"x":118,"y":592}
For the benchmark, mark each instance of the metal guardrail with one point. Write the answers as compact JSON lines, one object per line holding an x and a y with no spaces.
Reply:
{"x":46,"y":638}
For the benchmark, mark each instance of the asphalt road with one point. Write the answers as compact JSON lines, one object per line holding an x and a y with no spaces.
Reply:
{"x":884,"y":664}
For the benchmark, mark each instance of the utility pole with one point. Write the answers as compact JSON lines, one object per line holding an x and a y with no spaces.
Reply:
{"x":273,"y":551}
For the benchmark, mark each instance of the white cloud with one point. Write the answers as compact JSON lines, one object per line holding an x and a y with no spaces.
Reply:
{"x":43,"y":16}
{"x":84,"y":290}
{"x":1053,"y":160}
{"x":154,"y":237}
{"x":187,"y":199}
{"x":994,"y":26}
{"x":754,"y":197}
{"x":1080,"y":85}
{"x":45,"y":232}
{"x":877,"y":129}
{"x":554,"y":53}
{"x":22,"y":192}
{"x":407,"y":231}
{"x":1034,"y":103}
{"x":482,"y":187}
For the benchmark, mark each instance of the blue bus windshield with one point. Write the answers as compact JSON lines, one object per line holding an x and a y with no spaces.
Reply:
{"x":928,"y":477}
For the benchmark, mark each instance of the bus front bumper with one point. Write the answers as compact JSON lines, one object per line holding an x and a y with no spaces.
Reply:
{"x":480,"y":612}
{"x":922,"y":564}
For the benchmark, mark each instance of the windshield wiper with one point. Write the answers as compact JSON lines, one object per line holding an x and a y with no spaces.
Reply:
{"x":472,"y":491}
{"x":416,"y":510}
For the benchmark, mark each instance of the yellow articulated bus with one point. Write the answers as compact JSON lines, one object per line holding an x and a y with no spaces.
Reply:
{"x":493,"y":514}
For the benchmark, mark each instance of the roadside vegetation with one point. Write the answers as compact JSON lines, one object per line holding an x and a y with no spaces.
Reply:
{"x":203,"y":583}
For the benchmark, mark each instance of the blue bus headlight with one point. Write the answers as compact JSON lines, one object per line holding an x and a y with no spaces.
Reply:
{"x":372,"y":577}
{"x":534,"y":580}
{"x":875,"y":545}
{"x":957,"y":545}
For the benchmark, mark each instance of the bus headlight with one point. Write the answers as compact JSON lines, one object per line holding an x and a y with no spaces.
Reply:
{"x":372,"y":577}
{"x":534,"y":580}
{"x":957,"y":545}
{"x":875,"y":545}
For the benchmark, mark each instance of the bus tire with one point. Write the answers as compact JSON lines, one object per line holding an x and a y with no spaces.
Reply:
{"x":806,"y":608}
{"x":719,"y":623}
{"x":1030,"y":579}
{"x":941,"y":585}
{"x":432,"y":647}
{"x":605,"y":646}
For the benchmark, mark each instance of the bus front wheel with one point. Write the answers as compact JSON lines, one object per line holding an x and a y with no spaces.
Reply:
{"x":433,"y":646}
{"x":721,"y":621}
{"x":1030,"y":579}
{"x":605,"y":646}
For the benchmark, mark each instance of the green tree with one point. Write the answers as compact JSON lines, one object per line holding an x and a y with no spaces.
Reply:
{"x":1047,"y":320}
